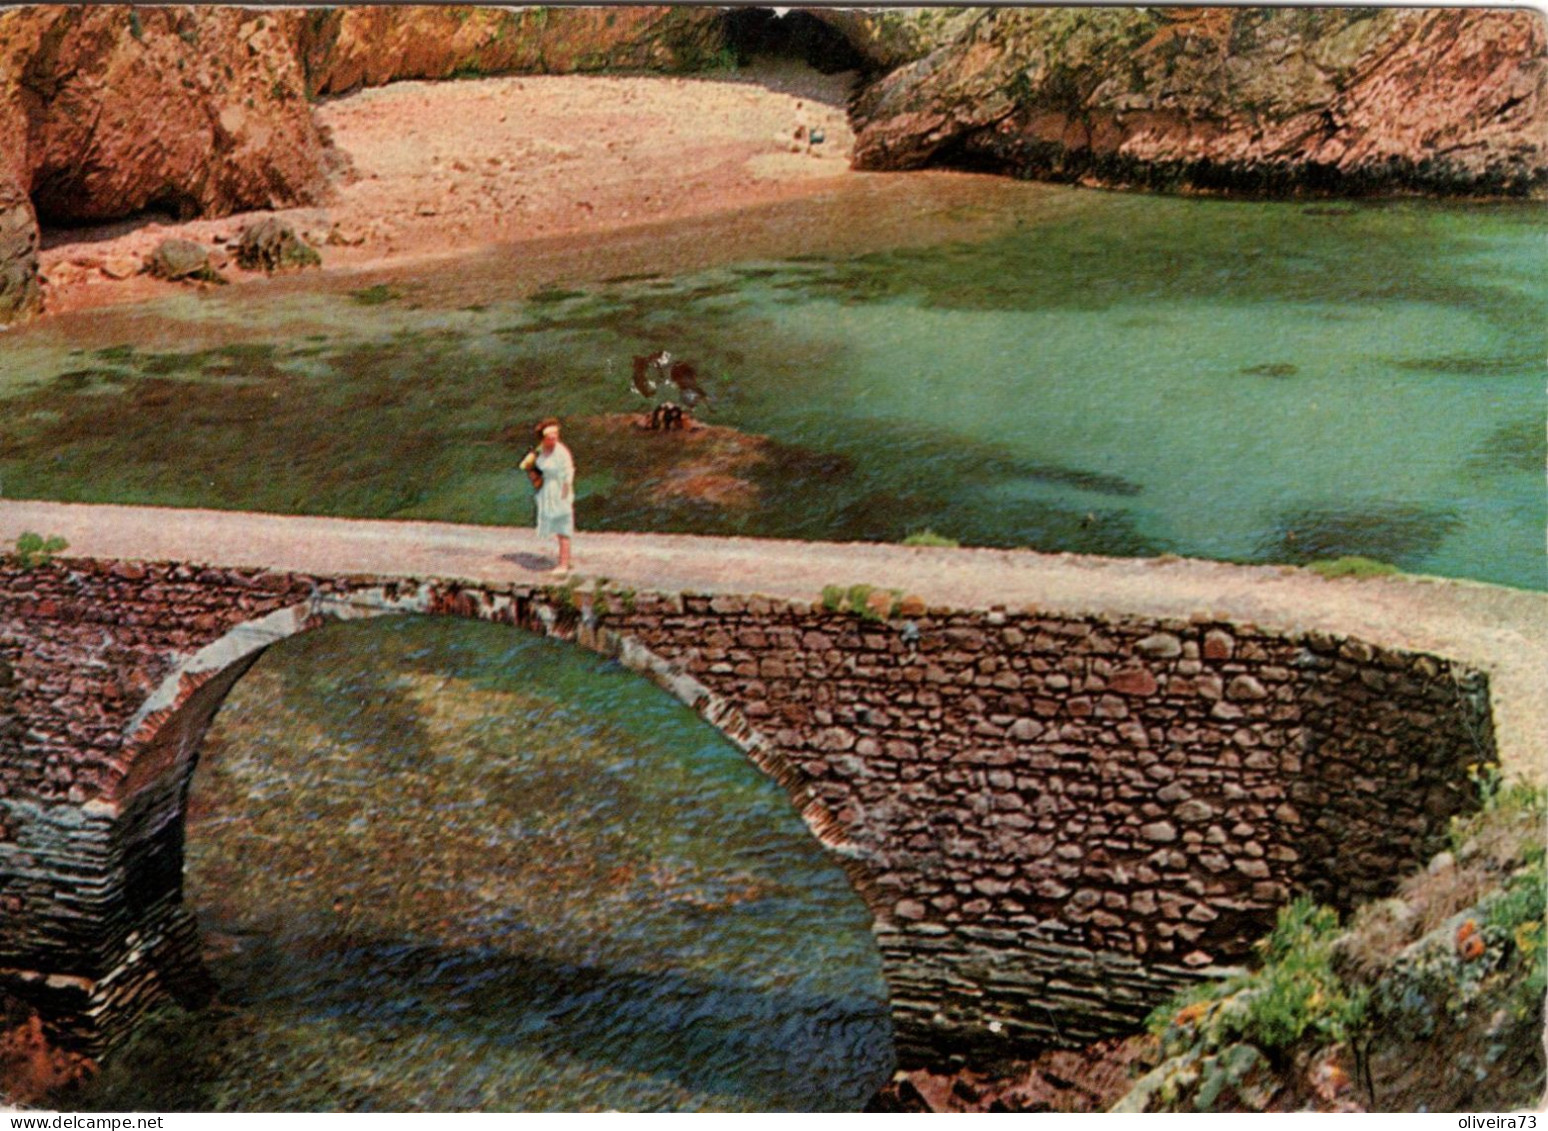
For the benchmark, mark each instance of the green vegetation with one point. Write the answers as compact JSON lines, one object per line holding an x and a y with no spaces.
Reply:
{"x":563,"y":595}
{"x":928,"y":537}
{"x":723,"y":61}
{"x":601,"y":603}
{"x":376,"y":295}
{"x":1353,"y":566}
{"x":1294,"y":994}
{"x":1300,"y":995}
{"x":33,"y":550}
{"x":1431,"y":999}
{"x":858,"y":599}
{"x":603,"y":597}
{"x":864,"y":601}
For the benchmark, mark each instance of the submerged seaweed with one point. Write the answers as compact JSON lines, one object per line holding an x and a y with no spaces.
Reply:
{"x":1472,"y":366}
{"x":1521,"y":445}
{"x":1400,"y":534}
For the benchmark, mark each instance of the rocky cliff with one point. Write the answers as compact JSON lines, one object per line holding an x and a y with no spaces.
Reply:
{"x":19,"y":291}
{"x":345,"y":48}
{"x":1348,"y":101}
{"x":194,"y":111}
{"x":108,"y":111}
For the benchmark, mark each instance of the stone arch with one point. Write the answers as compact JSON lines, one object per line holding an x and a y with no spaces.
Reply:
{"x":961,"y":759}
{"x":153,"y":945}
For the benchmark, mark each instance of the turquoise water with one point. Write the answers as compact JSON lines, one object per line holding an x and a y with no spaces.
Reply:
{"x":1249,"y":382}
{"x":1242,"y":381}
{"x":1092,"y":372}
{"x":496,"y":873}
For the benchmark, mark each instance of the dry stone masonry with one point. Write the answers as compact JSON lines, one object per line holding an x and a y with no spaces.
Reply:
{"x":1055,"y":821}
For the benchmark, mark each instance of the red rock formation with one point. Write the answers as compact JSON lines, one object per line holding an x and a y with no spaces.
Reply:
{"x":110,"y":111}
{"x":1287,"y":100}
{"x":30,"y":1067}
{"x":200,"y":111}
{"x":345,"y":48}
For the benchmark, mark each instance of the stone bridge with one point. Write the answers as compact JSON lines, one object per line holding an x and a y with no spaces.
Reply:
{"x":1064,"y":787}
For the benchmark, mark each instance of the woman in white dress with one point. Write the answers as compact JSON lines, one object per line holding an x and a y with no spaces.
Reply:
{"x":556,"y":498}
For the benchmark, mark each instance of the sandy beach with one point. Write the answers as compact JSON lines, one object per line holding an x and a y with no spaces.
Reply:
{"x":427,"y":169}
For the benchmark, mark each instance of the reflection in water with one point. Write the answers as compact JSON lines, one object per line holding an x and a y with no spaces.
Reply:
{"x":451,"y":866}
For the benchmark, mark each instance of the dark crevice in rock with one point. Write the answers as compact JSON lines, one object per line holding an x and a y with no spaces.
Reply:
{"x":752,"y":32}
{"x":1050,"y":161}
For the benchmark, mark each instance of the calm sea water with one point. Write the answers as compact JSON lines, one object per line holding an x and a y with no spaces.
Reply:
{"x":1063,"y":370}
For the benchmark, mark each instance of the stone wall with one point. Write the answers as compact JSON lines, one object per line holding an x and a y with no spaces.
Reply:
{"x":1056,"y":821}
{"x":1065,"y":819}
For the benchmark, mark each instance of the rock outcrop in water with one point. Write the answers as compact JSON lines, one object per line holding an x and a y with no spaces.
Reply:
{"x":1349,"y":101}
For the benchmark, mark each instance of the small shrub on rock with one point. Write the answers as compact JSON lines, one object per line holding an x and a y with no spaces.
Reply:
{"x":864,"y":601}
{"x":33,"y":550}
{"x":1294,"y":995}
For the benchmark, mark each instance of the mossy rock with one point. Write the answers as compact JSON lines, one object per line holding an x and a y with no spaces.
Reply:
{"x":176,"y":260}
{"x":272,"y":245}
{"x":20,"y":294}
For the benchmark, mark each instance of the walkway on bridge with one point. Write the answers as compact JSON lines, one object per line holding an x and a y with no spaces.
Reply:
{"x":1501,"y":631}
